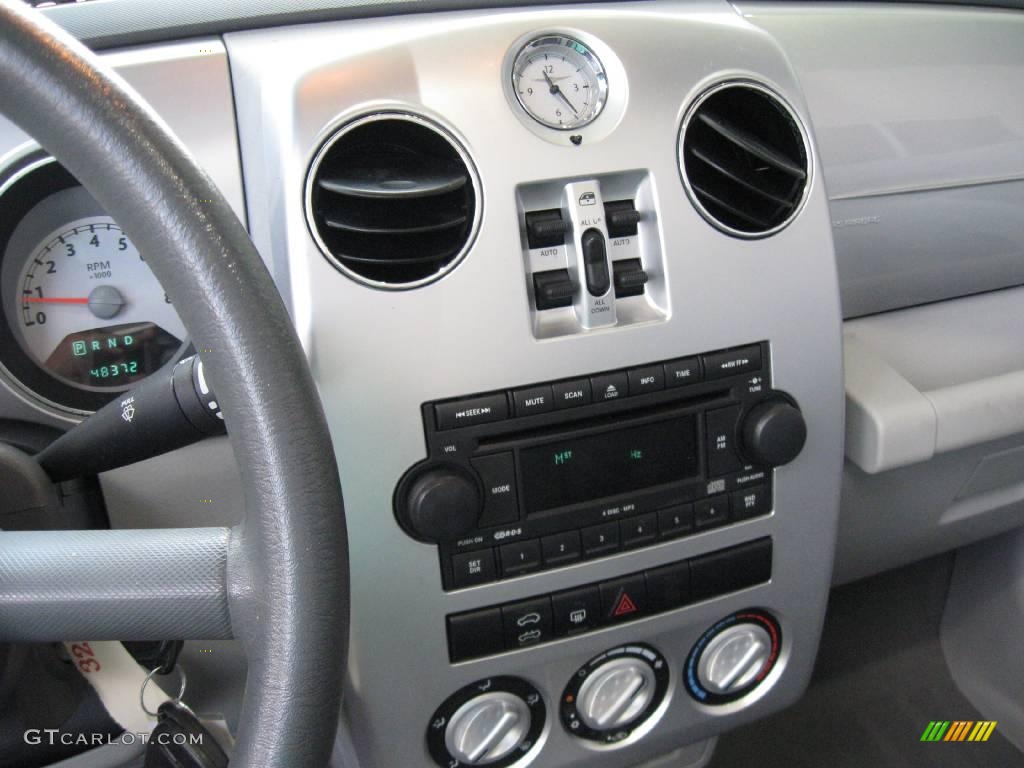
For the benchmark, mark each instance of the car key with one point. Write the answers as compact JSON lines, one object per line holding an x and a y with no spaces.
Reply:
{"x":179,"y":740}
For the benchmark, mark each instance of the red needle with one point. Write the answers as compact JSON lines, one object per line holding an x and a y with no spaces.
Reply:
{"x":54,"y":300}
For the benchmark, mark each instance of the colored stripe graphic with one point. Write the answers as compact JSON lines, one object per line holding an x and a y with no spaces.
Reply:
{"x":959,"y":730}
{"x":982,"y":730}
{"x":935,"y":730}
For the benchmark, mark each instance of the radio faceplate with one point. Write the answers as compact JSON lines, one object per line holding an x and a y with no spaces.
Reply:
{"x":549,"y":474}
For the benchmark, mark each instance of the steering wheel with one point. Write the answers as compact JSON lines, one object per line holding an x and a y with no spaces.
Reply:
{"x":278,"y":581}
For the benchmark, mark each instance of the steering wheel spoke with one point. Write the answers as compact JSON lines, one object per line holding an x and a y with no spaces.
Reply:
{"x":114,"y":585}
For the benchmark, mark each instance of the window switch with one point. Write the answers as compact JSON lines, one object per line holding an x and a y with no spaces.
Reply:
{"x":545,"y":229}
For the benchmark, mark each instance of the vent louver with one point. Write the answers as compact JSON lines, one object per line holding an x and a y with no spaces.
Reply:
{"x":392,"y":201}
{"x":744,"y":160}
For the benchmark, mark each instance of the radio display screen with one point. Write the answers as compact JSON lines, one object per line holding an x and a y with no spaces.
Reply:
{"x":577,"y":470}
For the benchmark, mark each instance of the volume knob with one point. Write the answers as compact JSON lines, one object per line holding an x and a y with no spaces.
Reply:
{"x":441,"y":504}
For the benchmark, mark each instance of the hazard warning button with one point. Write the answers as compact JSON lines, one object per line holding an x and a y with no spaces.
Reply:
{"x":623,"y":599}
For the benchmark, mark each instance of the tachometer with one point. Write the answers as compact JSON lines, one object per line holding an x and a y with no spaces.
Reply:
{"x":84,"y":317}
{"x":90,"y":311}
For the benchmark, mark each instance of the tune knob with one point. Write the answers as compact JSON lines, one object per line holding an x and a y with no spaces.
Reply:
{"x":493,"y":722}
{"x":773,"y":433}
{"x":613,"y":694}
{"x":439,"y":504}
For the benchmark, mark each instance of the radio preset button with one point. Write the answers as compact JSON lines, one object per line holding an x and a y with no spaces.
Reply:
{"x":731,"y":362}
{"x":711,"y":512}
{"x":472,"y":411}
{"x":533,"y":400}
{"x":609,"y":386}
{"x":721,"y":441}
{"x":569,"y":394}
{"x":639,"y":530}
{"x":750,"y":502}
{"x":576,"y":610}
{"x":498,"y":475}
{"x":675,"y":521}
{"x":472,"y":568}
{"x":527,"y":622}
{"x":561,"y":548}
{"x":520,"y":557}
{"x":623,"y":599}
{"x":648,"y":379}
{"x":475,"y":634}
{"x":600,"y":539}
{"x":679,"y":373}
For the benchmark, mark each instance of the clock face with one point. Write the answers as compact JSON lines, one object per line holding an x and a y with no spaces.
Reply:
{"x":559,"y":82}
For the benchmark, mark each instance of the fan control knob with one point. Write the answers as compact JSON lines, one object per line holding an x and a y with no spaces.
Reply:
{"x":773,"y":433}
{"x":440,"y":504}
{"x":614,"y":693}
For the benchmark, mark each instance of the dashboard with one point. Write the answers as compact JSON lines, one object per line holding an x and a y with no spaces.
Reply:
{"x":573,"y":283}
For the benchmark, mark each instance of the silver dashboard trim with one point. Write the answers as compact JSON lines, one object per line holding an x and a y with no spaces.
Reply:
{"x":379,"y":355}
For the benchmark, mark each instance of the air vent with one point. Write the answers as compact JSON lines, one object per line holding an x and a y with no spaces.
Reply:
{"x":392,"y":200}
{"x":744,"y":160}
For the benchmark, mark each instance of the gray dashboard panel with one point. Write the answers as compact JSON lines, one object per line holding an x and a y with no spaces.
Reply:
{"x":919,"y":114}
{"x":378,"y":355}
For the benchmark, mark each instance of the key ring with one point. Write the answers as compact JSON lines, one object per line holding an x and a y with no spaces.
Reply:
{"x":177,"y":699}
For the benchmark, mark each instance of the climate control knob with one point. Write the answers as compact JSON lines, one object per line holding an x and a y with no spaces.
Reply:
{"x":439,"y":504}
{"x":493,"y":722}
{"x":611,"y":695}
{"x":487,"y":728}
{"x":615,"y":694}
{"x":733,"y":657}
{"x":773,"y":433}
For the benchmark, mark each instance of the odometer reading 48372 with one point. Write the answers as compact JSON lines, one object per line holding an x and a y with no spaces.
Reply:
{"x":90,"y":311}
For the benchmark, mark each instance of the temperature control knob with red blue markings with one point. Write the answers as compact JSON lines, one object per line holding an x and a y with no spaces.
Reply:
{"x":733,"y":657}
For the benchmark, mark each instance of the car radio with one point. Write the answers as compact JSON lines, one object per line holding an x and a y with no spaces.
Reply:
{"x":545,"y":475}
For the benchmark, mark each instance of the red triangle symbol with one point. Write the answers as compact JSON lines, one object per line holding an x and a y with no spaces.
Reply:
{"x":626,"y":605}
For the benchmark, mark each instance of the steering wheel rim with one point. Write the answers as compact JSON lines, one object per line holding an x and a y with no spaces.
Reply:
{"x":279,"y":580}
